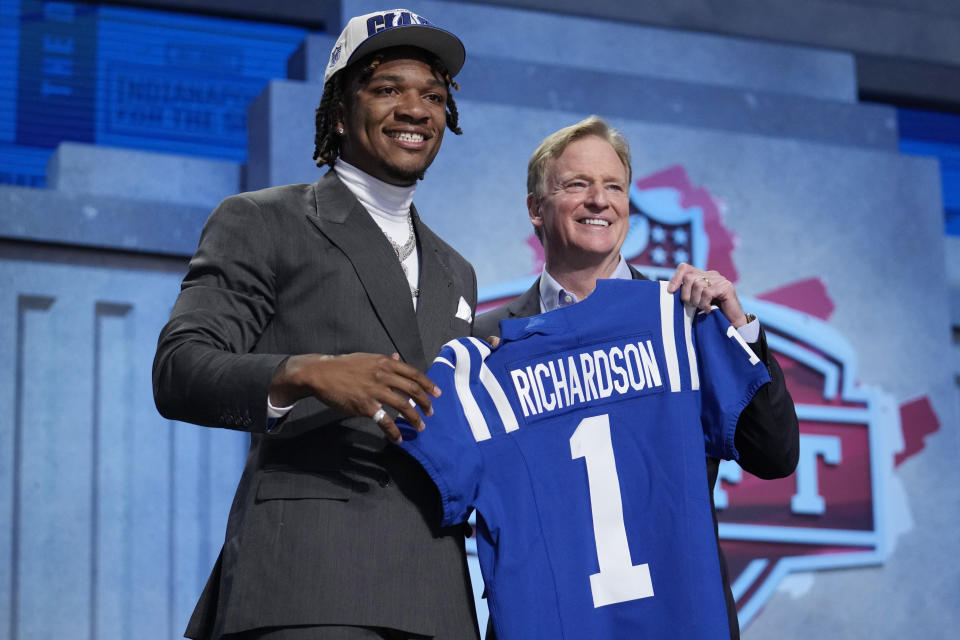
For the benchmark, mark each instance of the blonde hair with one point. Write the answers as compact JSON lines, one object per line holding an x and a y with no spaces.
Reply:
{"x":554,"y":145}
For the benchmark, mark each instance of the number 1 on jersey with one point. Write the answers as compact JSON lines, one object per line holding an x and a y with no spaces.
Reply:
{"x":618,"y":580}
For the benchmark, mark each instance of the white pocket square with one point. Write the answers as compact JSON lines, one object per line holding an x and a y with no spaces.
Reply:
{"x":464,"y":312}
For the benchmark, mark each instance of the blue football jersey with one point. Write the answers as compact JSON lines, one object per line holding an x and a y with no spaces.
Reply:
{"x":580,"y":442}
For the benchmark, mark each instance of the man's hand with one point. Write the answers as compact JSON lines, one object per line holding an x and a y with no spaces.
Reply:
{"x":705,"y":288}
{"x":359,"y":384}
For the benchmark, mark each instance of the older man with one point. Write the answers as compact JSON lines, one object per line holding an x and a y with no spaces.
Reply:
{"x":578,"y":184}
{"x":307,"y":317}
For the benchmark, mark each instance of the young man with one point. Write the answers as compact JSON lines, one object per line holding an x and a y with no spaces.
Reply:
{"x":578,"y":183}
{"x":307,"y":317}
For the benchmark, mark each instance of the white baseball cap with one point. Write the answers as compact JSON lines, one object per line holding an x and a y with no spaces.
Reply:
{"x":396,"y":27}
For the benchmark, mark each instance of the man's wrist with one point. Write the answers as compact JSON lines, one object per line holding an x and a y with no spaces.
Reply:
{"x":285,"y":388}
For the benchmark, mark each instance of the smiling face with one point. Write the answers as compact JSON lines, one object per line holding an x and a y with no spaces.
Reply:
{"x":584,"y":211}
{"x":393,"y":123}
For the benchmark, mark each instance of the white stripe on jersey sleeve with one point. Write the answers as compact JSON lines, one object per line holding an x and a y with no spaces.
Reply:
{"x":461,"y":380}
{"x":689,"y":313}
{"x":669,"y":340}
{"x":733,"y":333}
{"x":490,"y":383}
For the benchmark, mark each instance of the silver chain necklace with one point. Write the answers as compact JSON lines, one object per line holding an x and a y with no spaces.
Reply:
{"x":404,"y":252}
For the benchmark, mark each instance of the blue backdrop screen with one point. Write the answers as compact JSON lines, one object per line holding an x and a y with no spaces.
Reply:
{"x":129,"y":78}
{"x":935,"y":134}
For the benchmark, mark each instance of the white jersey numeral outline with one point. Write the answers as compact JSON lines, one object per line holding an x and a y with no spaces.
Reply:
{"x":618,"y":580}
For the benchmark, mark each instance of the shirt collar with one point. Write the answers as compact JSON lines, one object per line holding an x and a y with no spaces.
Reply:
{"x":553,"y":296}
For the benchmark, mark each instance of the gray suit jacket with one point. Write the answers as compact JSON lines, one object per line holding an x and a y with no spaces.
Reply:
{"x":767,"y":436}
{"x":330,"y":524}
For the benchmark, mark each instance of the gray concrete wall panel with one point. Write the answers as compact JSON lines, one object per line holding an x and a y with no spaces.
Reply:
{"x":506,"y":81}
{"x":142,"y":175}
{"x":919,"y":31}
{"x":631,"y":49}
{"x":119,"y":540}
{"x":904,"y":50}
{"x":309,"y":61}
{"x":281,"y":121}
{"x":79,"y":219}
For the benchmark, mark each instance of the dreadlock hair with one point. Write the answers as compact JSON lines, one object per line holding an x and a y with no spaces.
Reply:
{"x":326,"y":139}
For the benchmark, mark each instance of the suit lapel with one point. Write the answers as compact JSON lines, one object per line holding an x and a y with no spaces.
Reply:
{"x":636,"y":275}
{"x":344,"y":221}
{"x":527,"y":304}
{"x":438,"y":297}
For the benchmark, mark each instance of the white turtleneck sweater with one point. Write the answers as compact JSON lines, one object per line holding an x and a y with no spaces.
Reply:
{"x":389,"y":206}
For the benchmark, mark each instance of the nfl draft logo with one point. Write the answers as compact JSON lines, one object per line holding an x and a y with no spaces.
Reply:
{"x":842,"y":507}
